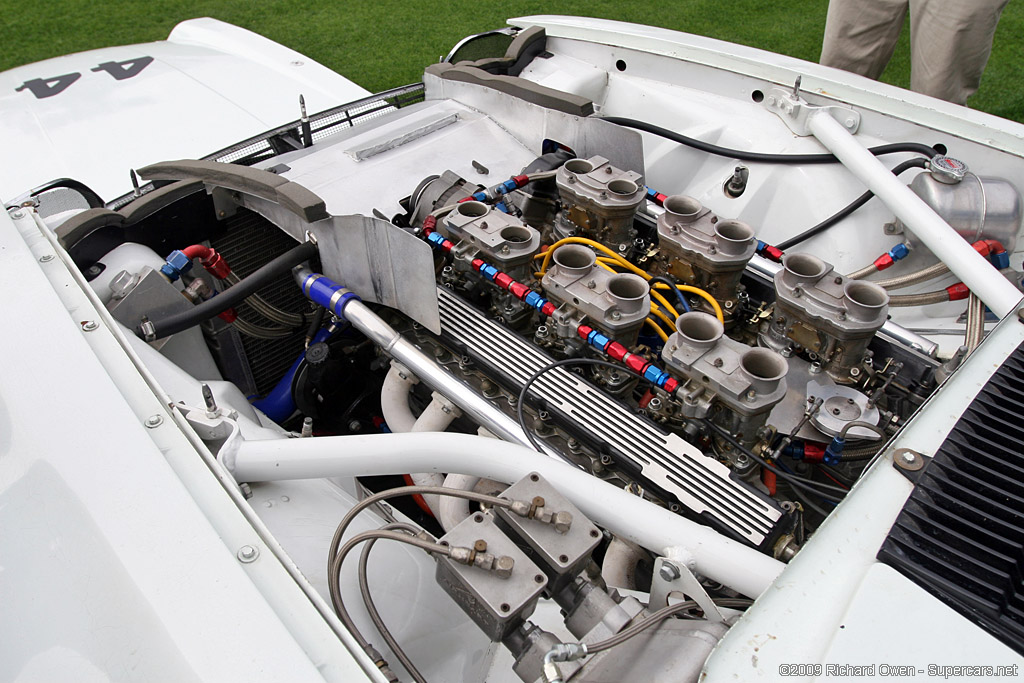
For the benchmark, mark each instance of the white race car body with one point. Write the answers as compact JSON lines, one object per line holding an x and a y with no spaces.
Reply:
{"x":128,"y":551}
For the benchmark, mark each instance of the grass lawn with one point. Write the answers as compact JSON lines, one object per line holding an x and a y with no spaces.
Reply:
{"x":385,"y":43}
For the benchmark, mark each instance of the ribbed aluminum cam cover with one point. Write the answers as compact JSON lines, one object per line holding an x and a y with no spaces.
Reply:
{"x":663,"y":461}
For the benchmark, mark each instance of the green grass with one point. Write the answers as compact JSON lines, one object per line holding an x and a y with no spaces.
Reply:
{"x":386,"y":43}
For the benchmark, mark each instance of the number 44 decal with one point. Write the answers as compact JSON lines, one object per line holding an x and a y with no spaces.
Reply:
{"x":48,"y":87}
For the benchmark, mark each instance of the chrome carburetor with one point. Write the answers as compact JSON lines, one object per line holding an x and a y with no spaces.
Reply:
{"x":501,"y":239}
{"x":703,"y":251}
{"x":743,"y":382}
{"x":598,"y":201}
{"x":831,"y":316}
{"x":614,"y":303}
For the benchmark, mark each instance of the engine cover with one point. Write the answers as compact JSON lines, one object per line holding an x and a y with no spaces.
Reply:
{"x":664,"y":461}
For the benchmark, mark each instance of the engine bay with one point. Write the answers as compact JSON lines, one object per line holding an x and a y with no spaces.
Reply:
{"x":588,"y":358}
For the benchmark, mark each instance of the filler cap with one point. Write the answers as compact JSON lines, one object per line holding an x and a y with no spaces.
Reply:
{"x":947,"y":169}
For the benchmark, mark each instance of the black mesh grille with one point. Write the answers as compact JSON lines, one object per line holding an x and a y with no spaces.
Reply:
{"x":961,"y":534}
{"x":250,"y":242}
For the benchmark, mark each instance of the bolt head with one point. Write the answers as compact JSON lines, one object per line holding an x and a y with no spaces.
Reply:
{"x":154,"y":421}
{"x":248,"y":553}
{"x":563,"y":521}
{"x":669,"y":571}
{"x":17,"y":214}
{"x":503,"y":566}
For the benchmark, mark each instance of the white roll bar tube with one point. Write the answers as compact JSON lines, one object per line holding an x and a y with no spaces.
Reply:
{"x":972,"y":269}
{"x":730,"y":562}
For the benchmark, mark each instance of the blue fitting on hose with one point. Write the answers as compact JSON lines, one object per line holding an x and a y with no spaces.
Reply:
{"x":500,"y":206}
{"x":329,"y":294}
{"x":177,"y":263}
{"x":489,"y":271}
{"x":656,"y":375}
{"x":834,"y":451}
{"x":436,"y":238}
{"x":899,"y":252}
{"x":532,"y":298}
{"x":598,"y":340}
{"x":1000,"y":261}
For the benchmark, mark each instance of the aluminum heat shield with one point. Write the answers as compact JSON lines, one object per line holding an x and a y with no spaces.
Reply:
{"x":668,"y":463}
{"x":378,"y":261}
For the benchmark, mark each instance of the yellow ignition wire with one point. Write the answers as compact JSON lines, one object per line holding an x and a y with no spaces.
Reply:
{"x":629,"y":266}
{"x":699,"y":292}
{"x":655,"y":311}
{"x":657,"y":329}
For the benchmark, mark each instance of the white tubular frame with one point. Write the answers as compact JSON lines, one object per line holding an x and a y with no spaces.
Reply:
{"x":730,"y":562}
{"x":972,"y":269}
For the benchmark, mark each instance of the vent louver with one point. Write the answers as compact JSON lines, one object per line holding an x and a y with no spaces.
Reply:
{"x":961,"y":534}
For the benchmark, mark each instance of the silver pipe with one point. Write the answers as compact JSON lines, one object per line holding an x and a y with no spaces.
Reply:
{"x":975,"y":329}
{"x":923,"y":275}
{"x":890,"y":331}
{"x":433,"y":375}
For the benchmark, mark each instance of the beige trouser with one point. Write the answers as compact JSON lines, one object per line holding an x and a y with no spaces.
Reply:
{"x":950,"y":41}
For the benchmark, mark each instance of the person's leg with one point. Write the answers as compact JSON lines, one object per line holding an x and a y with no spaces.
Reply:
{"x":860,"y":35}
{"x":950,"y":41}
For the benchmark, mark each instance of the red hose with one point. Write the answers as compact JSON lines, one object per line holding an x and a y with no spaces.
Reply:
{"x":213,"y":262}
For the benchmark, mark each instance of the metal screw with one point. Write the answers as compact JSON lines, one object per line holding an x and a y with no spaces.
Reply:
{"x":669,"y":571}
{"x":17,"y":214}
{"x":89,"y":325}
{"x":248,"y":553}
{"x":354,"y":426}
{"x":616,"y":315}
{"x":908,"y":458}
{"x":211,"y":402}
{"x":46,"y":258}
{"x":154,"y":421}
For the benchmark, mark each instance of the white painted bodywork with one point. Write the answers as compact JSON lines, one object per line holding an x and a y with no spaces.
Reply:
{"x":132,"y":533}
{"x":702,"y":88}
{"x":210,"y":85}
